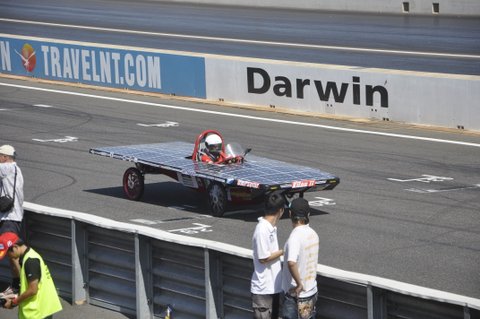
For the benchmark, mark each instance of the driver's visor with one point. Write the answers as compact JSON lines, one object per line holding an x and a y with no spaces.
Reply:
{"x":215,"y":147}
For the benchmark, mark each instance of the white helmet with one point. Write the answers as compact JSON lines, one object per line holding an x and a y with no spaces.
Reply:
{"x":213,"y":142}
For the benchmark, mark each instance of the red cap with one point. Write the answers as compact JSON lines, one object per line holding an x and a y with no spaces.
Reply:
{"x":7,"y":240}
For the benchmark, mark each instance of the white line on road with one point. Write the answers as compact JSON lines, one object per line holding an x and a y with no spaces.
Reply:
{"x":166,"y":124}
{"x":257,"y":118}
{"x":57,"y":140}
{"x":284,"y":44}
{"x":42,"y":105}
{"x":430,"y":191}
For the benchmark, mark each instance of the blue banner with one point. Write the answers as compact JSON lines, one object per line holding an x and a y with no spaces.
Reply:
{"x":104,"y":66}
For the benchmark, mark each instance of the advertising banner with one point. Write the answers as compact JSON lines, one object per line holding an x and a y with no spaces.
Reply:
{"x":103,"y":65}
{"x":448,"y":100}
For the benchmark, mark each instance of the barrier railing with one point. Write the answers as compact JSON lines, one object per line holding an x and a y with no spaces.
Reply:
{"x":138,"y":271}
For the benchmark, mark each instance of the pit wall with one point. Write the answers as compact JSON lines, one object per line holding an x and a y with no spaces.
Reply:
{"x":443,"y":100}
{"x":412,"y":97}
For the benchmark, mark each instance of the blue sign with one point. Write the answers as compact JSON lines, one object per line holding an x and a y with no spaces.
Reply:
{"x":104,"y":66}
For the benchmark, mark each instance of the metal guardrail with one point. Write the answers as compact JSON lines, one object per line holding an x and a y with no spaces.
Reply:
{"x":138,"y":271}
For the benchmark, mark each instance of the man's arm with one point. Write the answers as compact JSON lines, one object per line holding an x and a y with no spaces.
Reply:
{"x":33,"y":273}
{"x":273,"y":256}
{"x":32,"y":290}
{"x":293,"y":268}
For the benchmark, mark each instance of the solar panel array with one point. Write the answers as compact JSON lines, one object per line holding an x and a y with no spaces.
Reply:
{"x":176,"y":156}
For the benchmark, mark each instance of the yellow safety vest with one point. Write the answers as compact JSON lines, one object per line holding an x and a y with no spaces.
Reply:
{"x":46,"y":301}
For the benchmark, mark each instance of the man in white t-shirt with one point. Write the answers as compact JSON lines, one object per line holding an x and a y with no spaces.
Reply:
{"x":266,"y":283}
{"x":299,"y":277}
{"x":11,"y":184}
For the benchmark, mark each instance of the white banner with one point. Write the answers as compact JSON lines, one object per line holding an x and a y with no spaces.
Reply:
{"x":413,"y":97}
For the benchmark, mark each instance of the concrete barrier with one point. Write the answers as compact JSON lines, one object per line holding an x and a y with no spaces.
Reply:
{"x":445,"y":100}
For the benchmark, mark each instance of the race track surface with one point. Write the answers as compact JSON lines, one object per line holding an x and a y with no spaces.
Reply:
{"x":406,"y":208}
{"x":408,"y":204}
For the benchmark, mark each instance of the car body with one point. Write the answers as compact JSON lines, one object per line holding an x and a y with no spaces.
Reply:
{"x":240,"y":179}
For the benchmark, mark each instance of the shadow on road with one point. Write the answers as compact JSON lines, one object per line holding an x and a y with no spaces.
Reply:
{"x":174,"y":194}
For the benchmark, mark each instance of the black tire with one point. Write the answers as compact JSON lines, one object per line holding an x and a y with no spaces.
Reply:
{"x":217,"y":199}
{"x":133,"y":183}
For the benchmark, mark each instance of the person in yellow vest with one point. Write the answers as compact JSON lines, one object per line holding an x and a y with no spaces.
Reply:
{"x":37,"y":298}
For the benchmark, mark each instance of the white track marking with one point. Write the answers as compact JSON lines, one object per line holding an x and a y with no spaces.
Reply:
{"x":57,"y":140}
{"x":221,"y":39}
{"x":166,"y":124}
{"x":257,"y":118}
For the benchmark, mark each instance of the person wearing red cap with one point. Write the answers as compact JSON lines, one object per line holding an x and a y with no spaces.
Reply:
{"x":11,"y":185}
{"x":37,"y":298}
{"x":299,"y":278}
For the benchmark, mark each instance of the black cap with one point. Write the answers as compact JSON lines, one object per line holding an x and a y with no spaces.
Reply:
{"x":299,"y":207}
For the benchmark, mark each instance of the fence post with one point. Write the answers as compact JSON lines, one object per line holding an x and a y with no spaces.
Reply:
{"x":466,"y":312}
{"x":79,"y":263}
{"x":213,"y":284}
{"x":143,"y":277}
{"x":376,"y":303}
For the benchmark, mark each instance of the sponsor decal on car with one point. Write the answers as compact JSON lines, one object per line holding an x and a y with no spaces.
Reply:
{"x":304,"y":183}
{"x":248,"y":184}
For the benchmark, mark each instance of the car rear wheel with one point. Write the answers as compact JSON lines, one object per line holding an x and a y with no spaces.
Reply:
{"x":133,"y":183}
{"x":217,"y":199}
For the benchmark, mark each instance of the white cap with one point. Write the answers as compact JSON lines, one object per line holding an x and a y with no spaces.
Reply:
{"x":7,"y":150}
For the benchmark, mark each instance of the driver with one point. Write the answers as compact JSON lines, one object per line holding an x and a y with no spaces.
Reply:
{"x":213,"y":153}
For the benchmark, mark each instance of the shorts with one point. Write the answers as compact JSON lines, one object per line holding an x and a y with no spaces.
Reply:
{"x":266,"y":306}
{"x":299,"y":308}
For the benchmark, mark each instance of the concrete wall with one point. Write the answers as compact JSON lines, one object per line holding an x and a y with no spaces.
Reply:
{"x":445,"y":7}
{"x":444,"y":100}
{"x":413,"y":97}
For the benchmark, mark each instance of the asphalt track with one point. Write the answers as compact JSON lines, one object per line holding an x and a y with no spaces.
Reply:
{"x":439,"y":43}
{"x":386,"y":218}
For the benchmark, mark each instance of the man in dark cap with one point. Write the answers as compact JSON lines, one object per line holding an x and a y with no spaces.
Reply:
{"x":299,"y":278}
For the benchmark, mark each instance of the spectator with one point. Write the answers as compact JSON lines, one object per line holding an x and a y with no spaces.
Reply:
{"x":299,"y":278}
{"x":266,"y":279}
{"x":37,"y":298}
{"x":11,"y":184}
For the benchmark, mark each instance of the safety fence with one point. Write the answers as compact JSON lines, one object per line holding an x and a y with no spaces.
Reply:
{"x":138,"y":271}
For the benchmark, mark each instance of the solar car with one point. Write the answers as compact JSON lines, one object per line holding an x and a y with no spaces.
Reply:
{"x":241,"y":178}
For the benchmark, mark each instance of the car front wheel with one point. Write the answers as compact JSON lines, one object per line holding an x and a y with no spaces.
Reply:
{"x":217,"y":199}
